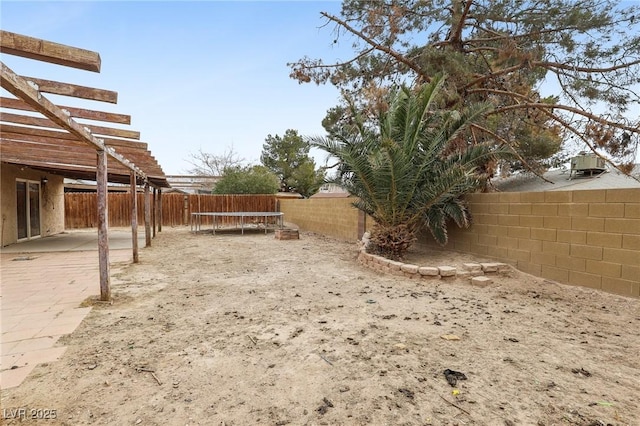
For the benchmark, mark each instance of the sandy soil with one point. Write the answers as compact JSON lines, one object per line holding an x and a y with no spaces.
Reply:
{"x":246,"y":329}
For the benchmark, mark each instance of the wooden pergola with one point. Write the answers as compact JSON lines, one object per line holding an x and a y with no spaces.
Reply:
{"x":57,"y":143}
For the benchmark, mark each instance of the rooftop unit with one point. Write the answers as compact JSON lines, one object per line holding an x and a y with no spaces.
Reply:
{"x":586,"y":165}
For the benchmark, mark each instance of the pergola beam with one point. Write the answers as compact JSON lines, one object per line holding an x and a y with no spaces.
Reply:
{"x":46,"y":123}
{"x":76,"y":171}
{"x":88,"y":170}
{"x":89,"y":114}
{"x":74,"y":90}
{"x":64,"y":153}
{"x":64,"y":147}
{"x":49,"y":135}
{"x":61,"y":153}
{"x":53,"y":143}
{"x":46,"y":51}
{"x":12,"y":154}
{"x":29,"y":92}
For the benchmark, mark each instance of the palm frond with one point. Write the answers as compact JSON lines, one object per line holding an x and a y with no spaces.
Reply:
{"x":407,"y":174}
{"x":436,"y":222}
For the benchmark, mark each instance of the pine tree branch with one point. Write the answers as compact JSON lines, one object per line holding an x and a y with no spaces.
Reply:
{"x":375,"y":45}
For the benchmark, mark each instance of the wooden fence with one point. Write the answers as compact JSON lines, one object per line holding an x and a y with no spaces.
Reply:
{"x":81,"y":210}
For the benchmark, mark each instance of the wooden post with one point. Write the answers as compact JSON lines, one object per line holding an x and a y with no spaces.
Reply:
{"x":159,"y":209}
{"x":186,"y":218}
{"x":134,"y":218}
{"x":147,"y":215}
{"x":103,"y":225}
{"x":154,"y":211}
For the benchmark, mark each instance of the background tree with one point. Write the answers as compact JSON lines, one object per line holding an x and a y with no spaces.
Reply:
{"x":208,"y":164}
{"x":410,"y":174}
{"x":288,"y":157}
{"x":501,"y":51}
{"x":247,"y":180}
{"x":306,"y":180}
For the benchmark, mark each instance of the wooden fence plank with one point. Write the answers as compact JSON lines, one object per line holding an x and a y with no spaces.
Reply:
{"x":81,"y":208}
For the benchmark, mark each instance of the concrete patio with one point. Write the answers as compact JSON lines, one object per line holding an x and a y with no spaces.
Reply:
{"x":43,"y":283}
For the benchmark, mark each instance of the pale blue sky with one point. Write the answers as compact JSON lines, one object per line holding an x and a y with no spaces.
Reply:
{"x":193,"y":75}
{"x":201,"y":75}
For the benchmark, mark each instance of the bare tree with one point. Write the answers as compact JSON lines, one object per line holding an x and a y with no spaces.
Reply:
{"x":205,"y":163}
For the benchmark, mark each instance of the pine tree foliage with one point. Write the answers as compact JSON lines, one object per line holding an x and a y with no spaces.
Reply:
{"x":501,"y":52}
{"x":288,"y":157}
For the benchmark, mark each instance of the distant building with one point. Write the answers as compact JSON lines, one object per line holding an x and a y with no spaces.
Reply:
{"x":81,"y":185}
{"x":192,"y":184}
{"x":331,"y":190}
{"x":565,"y":180}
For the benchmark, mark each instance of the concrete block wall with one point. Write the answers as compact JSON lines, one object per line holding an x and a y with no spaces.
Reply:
{"x":334,"y":217}
{"x":589,"y":238}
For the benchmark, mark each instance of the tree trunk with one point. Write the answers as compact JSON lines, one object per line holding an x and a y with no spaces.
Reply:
{"x":392,"y":241}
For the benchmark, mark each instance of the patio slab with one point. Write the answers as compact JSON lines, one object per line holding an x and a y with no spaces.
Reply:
{"x":75,"y":240}
{"x":43,"y":282}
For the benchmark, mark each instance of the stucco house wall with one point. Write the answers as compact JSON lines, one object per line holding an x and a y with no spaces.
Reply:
{"x":51,"y":201}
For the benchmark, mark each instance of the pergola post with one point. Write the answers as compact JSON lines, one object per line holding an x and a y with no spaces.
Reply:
{"x":185,"y":210}
{"x":147,"y":215}
{"x":154,"y":211}
{"x":103,"y":225}
{"x":159,"y":209}
{"x":134,"y":217}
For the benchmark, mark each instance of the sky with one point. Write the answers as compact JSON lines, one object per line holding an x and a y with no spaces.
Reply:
{"x":208,"y":76}
{"x":205,"y":76}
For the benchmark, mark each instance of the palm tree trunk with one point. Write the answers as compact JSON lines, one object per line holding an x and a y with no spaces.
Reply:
{"x":392,"y":241}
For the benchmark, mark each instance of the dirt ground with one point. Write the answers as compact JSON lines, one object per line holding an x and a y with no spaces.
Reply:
{"x":245,"y":329}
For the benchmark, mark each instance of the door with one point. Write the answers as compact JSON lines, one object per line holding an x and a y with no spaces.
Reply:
{"x":28,"y":209}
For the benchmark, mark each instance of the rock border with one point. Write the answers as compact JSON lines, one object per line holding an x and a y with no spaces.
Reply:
{"x":475,"y":272}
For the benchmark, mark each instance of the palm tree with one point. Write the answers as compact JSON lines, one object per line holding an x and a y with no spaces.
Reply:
{"x":409,"y":174}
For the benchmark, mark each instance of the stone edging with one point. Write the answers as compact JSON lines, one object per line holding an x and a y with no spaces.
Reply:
{"x":474,"y":271}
